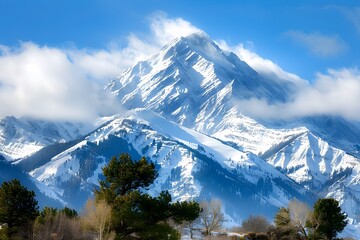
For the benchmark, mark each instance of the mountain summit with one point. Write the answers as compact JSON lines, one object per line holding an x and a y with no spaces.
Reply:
{"x":191,"y":79}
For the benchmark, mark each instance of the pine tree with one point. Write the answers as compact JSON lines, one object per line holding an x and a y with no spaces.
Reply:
{"x":123,"y":175}
{"x":70,"y":213}
{"x":134,"y":212}
{"x":329,"y":218}
{"x":18,"y":207}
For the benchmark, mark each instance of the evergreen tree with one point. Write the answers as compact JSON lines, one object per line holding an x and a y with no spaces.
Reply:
{"x":123,"y":175}
{"x":329,"y":218}
{"x":134,"y":212}
{"x":45,"y":213}
{"x":18,"y":207}
{"x":185,"y":211}
{"x":70,"y":213}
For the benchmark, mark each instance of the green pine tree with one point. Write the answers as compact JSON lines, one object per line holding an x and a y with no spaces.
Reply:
{"x":123,"y":175}
{"x":328,"y":218}
{"x":18,"y":207}
{"x":137,"y":213}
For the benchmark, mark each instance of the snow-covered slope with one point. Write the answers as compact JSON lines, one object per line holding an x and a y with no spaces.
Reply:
{"x":337,"y":131}
{"x":316,"y":165}
{"x":24,"y":136}
{"x":185,"y":159}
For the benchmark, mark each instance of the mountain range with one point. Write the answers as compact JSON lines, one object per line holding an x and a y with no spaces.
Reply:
{"x":183,"y":114}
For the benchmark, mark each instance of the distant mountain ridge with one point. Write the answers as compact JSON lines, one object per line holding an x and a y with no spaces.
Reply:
{"x":183,"y":114}
{"x":184,"y":158}
{"x":24,"y":136}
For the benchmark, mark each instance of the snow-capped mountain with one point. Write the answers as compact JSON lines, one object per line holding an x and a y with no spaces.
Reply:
{"x":184,"y":116}
{"x":24,"y":136}
{"x":316,"y":165}
{"x":195,"y":83}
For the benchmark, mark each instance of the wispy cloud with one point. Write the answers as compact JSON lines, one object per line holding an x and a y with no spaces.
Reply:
{"x":335,"y":93}
{"x":352,"y":14}
{"x":262,"y":65}
{"x":319,"y":44}
{"x":166,"y":29}
{"x":106,"y":63}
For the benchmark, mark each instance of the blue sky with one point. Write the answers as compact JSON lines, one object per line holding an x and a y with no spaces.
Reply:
{"x":89,"y":42}
{"x":276,"y":30}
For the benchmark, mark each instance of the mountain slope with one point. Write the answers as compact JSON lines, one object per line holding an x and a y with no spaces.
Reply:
{"x":316,"y":165}
{"x":184,"y":158}
{"x":24,"y":136}
{"x":9,"y":172}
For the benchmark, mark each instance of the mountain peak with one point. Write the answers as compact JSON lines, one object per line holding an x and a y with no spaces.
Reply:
{"x":198,"y":38}
{"x":198,"y":43}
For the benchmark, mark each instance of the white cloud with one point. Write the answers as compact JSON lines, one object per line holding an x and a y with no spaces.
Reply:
{"x":319,"y":44}
{"x":166,"y":29}
{"x":42,"y":82}
{"x":67,"y":83}
{"x":106,"y":63}
{"x":335,"y":93}
{"x":259,"y":64}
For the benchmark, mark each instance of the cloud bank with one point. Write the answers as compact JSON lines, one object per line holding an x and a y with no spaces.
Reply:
{"x":335,"y":93}
{"x":43,"y":82}
{"x":67,"y":83}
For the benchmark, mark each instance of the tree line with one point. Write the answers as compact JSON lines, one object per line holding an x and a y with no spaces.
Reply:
{"x":298,"y":222}
{"x":122,"y":210}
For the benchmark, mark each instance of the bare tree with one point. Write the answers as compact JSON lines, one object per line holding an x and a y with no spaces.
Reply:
{"x":313,"y":224}
{"x":56,"y":225}
{"x":299,"y":214}
{"x":188,"y":225}
{"x":211,"y":215}
{"x":191,"y":226}
{"x":97,"y":218}
{"x":256,"y":224}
